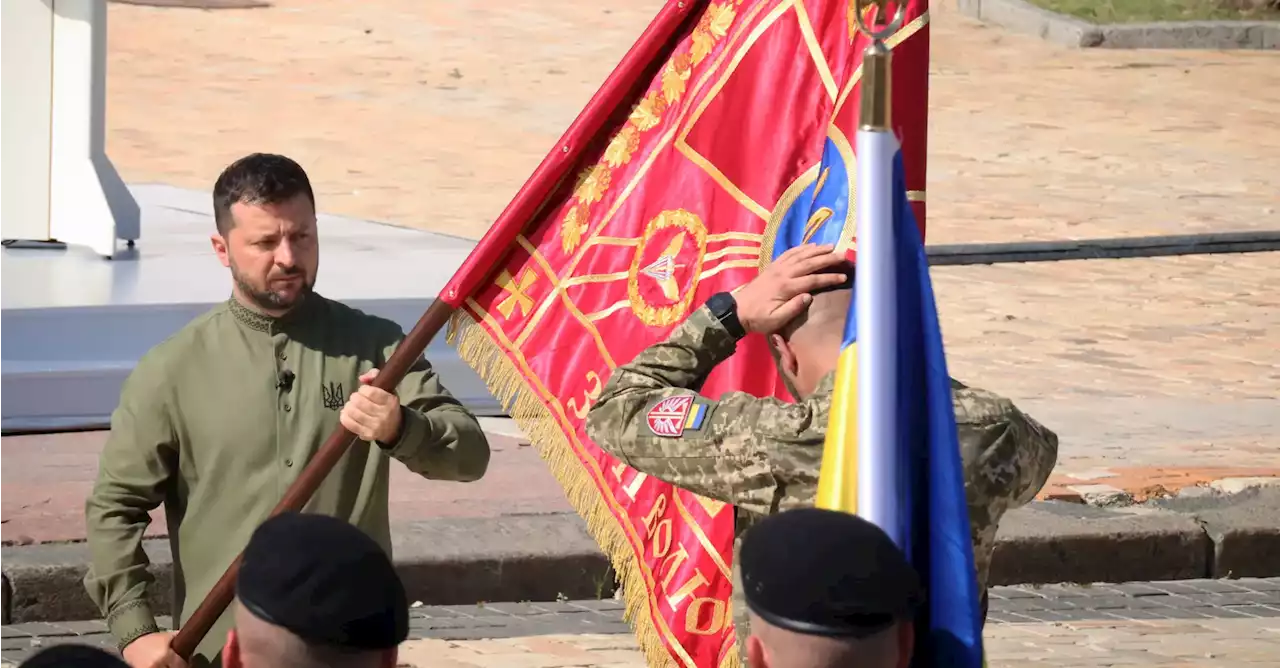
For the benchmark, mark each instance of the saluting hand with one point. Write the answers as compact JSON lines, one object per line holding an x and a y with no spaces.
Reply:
{"x":372,"y":414}
{"x":780,"y":293}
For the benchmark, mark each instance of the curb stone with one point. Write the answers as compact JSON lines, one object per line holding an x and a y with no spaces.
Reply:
{"x":1242,"y":529}
{"x":1055,"y":541}
{"x":549,"y":557}
{"x":1023,"y":17}
{"x":441,"y":562}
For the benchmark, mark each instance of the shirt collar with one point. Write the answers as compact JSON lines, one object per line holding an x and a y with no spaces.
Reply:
{"x":271,"y":324}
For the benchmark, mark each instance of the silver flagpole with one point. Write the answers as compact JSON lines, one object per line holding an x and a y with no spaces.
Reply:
{"x":879,"y":459}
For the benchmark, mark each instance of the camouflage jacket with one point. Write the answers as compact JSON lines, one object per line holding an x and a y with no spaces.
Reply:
{"x":763,"y":454}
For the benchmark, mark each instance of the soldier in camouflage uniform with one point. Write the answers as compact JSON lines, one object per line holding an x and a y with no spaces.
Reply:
{"x":763,"y":455}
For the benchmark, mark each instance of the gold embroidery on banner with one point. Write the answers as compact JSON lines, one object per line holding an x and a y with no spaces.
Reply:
{"x":663,"y":268}
{"x":609,"y":310}
{"x":516,"y":296}
{"x":700,"y":535}
{"x":915,"y":195}
{"x":731,"y":250}
{"x":815,"y":49}
{"x":788,"y":198}
{"x":596,"y":278}
{"x":815,"y":223}
{"x":735,"y":236}
{"x":723,"y":181}
{"x":537,"y":257}
{"x":613,"y":241}
{"x":572,"y":227}
{"x":694,"y":612}
{"x":726,"y":266}
{"x":675,"y":76}
{"x":698,"y":159}
{"x":594,"y":181}
{"x":713,"y":26}
{"x":712,"y":506}
{"x":589,"y":397}
{"x":622,"y":147}
{"x":704,"y":79}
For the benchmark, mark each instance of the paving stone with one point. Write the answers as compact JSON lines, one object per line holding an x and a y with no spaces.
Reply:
{"x":1136,"y":589}
{"x":1257,"y":610}
{"x":1130,"y":614}
{"x":1217,"y":586}
{"x":45,"y":629}
{"x":84,"y":628}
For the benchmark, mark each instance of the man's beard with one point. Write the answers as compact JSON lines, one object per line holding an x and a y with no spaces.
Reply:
{"x":266,"y":299}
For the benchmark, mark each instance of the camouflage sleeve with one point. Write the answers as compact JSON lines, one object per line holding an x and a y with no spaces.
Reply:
{"x":1007,"y":458}
{"x":741,"y":449}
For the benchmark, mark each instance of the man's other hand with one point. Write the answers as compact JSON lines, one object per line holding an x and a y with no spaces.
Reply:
{"x":153,"y":651}
{"x":780,"y":293}
{"x":372,"y":414}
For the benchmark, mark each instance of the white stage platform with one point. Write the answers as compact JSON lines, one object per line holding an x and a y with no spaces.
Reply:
{"x":74,"y":323}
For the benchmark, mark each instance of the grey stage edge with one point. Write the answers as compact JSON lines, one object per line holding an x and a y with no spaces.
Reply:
{"x":545,"y":557}
{"x":76,"y":324}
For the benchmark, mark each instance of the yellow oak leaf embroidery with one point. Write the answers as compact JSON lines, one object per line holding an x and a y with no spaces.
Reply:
{"x":592,"y":183}
{"x":648,"y":111}
{"x":713,"y":26}
{"x":622,"y":146}
{"x":675,"y":77}
{"x":573,"y":227}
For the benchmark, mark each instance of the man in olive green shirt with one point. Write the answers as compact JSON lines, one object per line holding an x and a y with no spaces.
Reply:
{"x":218,"y":420}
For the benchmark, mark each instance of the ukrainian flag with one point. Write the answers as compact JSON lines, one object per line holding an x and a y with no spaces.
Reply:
{"x":892,"y":453}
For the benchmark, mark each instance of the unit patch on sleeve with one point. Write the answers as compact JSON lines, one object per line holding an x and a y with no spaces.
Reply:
{"x":672,"y":416}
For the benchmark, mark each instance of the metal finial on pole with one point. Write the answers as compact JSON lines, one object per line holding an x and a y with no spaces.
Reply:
{"x":876,"y":89}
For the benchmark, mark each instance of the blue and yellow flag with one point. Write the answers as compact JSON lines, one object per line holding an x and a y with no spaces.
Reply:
{"x":920,"y":499}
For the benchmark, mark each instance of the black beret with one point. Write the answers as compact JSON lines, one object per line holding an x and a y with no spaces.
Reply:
{"x":79,"y":656}
{"x":822,"y":572}
{"x":324,"y":580}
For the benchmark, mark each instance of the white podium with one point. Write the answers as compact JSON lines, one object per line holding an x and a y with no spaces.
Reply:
{"x":58,"y":184}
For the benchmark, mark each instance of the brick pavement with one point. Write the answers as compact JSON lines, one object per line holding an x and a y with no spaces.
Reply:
{"x":1203,"y":623}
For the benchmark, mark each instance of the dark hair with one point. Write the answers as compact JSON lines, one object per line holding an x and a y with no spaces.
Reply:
{"x":258,"y":178}
{"x":81,"y":656}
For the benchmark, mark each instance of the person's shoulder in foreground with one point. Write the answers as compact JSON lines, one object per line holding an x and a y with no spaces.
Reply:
{"x":824,"y":587}
{"x":73,"y":656}
{"x":314,"y":590}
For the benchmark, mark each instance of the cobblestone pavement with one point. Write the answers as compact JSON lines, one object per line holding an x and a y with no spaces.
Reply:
{"x":1187,"y":623}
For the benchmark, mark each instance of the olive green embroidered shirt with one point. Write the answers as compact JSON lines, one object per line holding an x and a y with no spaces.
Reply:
{"x":206,"y":427}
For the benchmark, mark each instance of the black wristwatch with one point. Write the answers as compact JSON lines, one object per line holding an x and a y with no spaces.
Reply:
{"x":725,"y":309}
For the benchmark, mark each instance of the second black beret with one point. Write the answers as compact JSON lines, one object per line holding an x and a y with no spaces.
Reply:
{"x":324,"y":580}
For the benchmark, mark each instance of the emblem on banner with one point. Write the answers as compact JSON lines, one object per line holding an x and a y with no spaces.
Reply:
{"x":673,"y":415}
{"x":665,"y":270}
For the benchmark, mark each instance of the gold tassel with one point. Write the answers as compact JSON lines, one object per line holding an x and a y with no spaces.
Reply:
{"x":521,"y":402}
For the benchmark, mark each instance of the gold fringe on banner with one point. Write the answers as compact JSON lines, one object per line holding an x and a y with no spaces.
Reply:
{"x":478,"y":349}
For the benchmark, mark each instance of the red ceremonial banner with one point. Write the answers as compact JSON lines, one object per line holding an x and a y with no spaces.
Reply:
{"x":666,"y":190}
